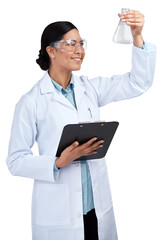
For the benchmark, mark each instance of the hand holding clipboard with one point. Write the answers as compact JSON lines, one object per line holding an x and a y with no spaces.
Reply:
{"x":89,"y":138}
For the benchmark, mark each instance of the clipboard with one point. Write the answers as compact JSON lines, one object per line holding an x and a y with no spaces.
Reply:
{"x":83,"y":132}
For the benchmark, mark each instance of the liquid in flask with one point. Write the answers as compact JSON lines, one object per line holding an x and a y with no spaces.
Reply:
{"x":123,"y":32}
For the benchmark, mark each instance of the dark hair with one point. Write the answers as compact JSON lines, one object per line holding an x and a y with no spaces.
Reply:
{"x":53,"y":32}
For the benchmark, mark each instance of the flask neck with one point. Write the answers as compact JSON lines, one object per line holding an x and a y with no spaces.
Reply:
{"x":123,"y":10}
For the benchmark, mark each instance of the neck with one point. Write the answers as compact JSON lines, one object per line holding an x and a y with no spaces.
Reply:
{"x":61,"y":77}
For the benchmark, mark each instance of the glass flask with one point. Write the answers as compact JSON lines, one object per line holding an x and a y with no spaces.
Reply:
{"x":123,"y":32}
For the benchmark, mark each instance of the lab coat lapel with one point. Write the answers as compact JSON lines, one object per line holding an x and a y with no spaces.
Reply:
{"x":57,"y":96}
{"x":47,"y":87}
{"x":79,"y":90}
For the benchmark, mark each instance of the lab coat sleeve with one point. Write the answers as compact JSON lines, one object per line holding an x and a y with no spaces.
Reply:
{"x":20,"y":160}
{"x":131,"y":84}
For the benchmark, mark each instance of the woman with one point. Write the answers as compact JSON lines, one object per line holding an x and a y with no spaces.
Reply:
{"x":71,"y":200}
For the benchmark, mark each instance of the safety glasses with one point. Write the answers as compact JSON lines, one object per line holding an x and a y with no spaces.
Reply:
{"x":69,"y":45}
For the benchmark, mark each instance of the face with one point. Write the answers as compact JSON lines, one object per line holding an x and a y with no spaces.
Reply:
{"x":68,"y":61}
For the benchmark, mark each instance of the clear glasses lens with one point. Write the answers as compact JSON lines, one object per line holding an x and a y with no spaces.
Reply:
{"x":70,"y":45}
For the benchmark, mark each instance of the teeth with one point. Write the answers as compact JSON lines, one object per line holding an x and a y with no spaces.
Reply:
{"x":76,"y":58}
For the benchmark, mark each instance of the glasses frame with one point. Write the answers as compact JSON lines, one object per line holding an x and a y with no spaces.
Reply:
{"x":56,"y":44}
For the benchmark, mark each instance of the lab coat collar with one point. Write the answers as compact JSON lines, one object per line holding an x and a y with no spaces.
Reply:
{"x":46,"y":86}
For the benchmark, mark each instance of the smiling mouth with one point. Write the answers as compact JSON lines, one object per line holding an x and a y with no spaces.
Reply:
{"x":77,"y":59}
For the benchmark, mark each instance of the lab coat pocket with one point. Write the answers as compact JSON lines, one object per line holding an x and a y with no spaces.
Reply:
{"x":105,"y":192}
{"x":52,"y":204}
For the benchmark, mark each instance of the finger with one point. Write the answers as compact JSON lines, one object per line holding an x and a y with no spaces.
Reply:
{"x":89,"y":147}
{"x":97,"y":144}
{"x":135,"y":24}
{"x":135,"y":18}
{"x":131,"y":15}
{"x":132,"y":18}
{"x":73,"y":146}
{"x":100,"y":146}
{"x":133,"y":12}
{"x":133,"y":21}
{"x":129,"y":12}
{"x":94,"y":147}
{"x":90,"y":153}
{"x":89,"y":143}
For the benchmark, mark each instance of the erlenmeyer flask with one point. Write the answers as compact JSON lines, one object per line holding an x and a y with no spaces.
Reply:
{"x":123,"y":32}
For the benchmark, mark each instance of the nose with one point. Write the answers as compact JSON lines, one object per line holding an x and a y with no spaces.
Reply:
{"x":79,"y":48}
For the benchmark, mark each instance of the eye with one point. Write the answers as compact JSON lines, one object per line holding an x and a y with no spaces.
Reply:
{"x":70,"y":42}
{"x":82,"y":43}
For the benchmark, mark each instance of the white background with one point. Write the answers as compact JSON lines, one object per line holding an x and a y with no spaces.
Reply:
{"x":133,"y":158}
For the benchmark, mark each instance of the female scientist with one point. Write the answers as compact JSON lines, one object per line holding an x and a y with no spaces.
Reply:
{"x":71,"y":199}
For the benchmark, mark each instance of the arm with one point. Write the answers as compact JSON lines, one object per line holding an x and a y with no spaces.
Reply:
{"x":140,"y":78}
{"x":131,"y":84}
{"x":20,"y":160}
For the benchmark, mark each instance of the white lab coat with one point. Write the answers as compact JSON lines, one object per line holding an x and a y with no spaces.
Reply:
{"x":40,"y":115}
